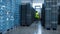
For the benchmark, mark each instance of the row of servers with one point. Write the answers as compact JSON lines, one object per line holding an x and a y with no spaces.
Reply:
{"x":43,"y":15}
{"x":9,"y":13}
{"x":50,"y":14}
{"x":27,"y":14}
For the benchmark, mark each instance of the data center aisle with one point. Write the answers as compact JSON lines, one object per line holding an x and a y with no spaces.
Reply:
{"x":35,"y":28}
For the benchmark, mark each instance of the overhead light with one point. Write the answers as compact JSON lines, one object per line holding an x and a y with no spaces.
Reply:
{"x":38,"y":4}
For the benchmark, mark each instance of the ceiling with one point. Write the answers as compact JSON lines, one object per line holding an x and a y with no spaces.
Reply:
{"x":38,"y":1}
{"x":34,"y":1}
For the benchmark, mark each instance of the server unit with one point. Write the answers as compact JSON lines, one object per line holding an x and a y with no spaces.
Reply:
{"x":51,"y":14}
{"x":27,"y":14}
{"x":17,"y":12}
{"x":43,"y":16}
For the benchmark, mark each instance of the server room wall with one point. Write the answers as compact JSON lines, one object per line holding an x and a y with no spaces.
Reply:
{"x":9,"y":14}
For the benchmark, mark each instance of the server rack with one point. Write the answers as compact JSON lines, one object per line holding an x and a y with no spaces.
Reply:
{"x":51,"y":14}
{"x":27,"y":14}
{"x":43,"y":15}
{"x":7,"y":14}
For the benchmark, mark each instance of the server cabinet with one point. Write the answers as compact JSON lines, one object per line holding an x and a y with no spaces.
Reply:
{"x":23,"y":14}
{"x":51,"y":14}
{"x":7,"y":14}
{"x":26,"y":14}
{"x":43,"y":15}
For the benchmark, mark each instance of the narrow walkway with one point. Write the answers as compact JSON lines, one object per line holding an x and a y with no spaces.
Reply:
{"x":35,"y":28}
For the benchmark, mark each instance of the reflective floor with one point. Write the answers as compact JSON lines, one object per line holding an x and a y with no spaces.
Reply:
{"x":35,"y":28}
